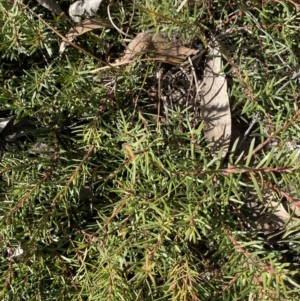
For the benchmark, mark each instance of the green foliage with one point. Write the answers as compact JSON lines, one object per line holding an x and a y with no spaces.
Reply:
{"x":120,"y":208}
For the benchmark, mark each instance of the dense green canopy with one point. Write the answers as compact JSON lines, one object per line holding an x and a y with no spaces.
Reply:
{"x":103,"y":198}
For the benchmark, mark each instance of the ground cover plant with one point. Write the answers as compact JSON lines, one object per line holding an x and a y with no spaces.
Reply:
{"x":111,"y":188}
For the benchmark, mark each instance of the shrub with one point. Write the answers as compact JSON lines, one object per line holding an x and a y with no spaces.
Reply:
{"x":102,"y":201}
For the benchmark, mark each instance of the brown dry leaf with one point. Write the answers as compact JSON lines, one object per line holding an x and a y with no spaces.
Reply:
{"x":83,"y":27}
{"x":270,"y":216}
{"x":295,"y":207}
{"x":52,"y":6}
{"x":215,"y":109}
{"x":159,"y":46}
{"x":273,"y":219}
